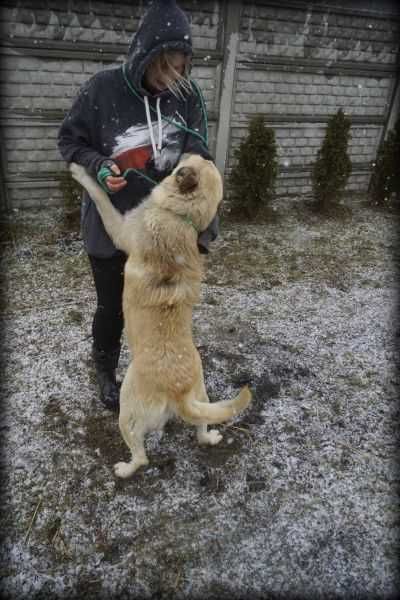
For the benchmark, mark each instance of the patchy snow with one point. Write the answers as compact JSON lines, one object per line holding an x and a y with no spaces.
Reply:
{"x":300,"y":496}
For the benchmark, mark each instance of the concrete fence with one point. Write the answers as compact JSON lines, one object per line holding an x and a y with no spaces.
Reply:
{"x":295,"y":62}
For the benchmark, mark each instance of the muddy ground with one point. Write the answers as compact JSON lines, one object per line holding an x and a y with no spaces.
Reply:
{"x":298,"y":500}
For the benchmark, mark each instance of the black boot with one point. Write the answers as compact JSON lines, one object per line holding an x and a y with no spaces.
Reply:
{"x":105,"y":364}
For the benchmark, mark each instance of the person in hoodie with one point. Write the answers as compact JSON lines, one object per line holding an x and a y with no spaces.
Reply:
{"x":129,"y":127}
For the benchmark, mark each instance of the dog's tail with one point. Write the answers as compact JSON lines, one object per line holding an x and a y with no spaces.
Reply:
{"x":198,"y":413}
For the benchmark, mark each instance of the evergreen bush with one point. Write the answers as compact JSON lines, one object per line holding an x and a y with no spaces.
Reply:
{"x":385,"y":180}
{"x":333,"y":166}
{"x":71,"y":194}
{"x":252,"y":181}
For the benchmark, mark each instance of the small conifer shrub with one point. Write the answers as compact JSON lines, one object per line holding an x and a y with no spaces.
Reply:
{"x":385,"y":180}
{"x":252,"y":181}
{"x":71,"y":192}
{"x":332,"y":168}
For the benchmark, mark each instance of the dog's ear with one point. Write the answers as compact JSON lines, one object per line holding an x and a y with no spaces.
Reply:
{"x":187,"y":179}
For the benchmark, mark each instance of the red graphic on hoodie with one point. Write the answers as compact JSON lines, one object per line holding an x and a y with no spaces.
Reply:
{"x":135,"y":158}
{"x":134,"y":147}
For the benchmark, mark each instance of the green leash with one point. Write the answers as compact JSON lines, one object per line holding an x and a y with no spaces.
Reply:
{"x":105,"y":172}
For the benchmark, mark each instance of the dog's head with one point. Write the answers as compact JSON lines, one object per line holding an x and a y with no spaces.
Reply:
{"x":187,"y":179}
{"x":194,"y":189}
{"x":194,"y":172}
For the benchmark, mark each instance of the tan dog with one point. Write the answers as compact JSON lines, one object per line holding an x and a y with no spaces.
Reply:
{"x":162,"y":282}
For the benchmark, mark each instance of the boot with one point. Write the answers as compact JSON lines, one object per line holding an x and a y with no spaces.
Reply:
{"x":105,"y":364}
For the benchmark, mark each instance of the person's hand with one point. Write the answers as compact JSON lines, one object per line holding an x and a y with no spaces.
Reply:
{"x":110,"y":182}
{"x":115,"y":184}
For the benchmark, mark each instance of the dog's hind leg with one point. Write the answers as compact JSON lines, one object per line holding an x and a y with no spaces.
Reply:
{"x":134,"y":439}
{"x":133,"y":427}
{"x":204,"y":437}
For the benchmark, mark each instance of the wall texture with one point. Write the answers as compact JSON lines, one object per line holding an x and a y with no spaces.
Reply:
{"x":295,"y":62}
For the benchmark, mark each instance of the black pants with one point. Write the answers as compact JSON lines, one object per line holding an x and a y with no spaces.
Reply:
{"x":108,"y":321}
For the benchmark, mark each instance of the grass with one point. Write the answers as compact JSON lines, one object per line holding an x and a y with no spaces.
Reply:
{"x":291,"y":307}
{"x":275,"y":260}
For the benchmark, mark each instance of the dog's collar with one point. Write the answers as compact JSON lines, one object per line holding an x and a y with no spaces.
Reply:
{"x":186,"y":219}
{"x":189,"y":221}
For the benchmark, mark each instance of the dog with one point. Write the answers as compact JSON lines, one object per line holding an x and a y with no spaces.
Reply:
{"x":162,"y":280}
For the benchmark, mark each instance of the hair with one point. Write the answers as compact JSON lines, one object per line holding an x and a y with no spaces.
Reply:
{"x":177,"y":83}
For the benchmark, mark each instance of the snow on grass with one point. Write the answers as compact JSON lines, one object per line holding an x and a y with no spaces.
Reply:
{"x":299,"y":497}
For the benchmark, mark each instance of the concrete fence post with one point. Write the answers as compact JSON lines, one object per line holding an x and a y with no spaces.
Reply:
{"x":232,"y":14}
{"x":394,"y":111}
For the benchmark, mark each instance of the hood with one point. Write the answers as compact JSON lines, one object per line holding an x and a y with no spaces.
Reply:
{"x":164,"y":26}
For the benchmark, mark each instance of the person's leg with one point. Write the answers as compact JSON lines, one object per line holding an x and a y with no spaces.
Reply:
{"x":108,"y":274}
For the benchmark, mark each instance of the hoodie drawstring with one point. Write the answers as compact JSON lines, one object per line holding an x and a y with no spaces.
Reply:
{"x":183,"y":127}
{"x":159,"y":119}
{"x":156,"y":149}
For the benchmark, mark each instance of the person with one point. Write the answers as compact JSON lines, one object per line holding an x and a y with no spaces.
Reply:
{"x":129,"y":127}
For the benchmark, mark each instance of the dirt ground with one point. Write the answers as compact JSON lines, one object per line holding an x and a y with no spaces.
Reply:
{"x":300,"y":498}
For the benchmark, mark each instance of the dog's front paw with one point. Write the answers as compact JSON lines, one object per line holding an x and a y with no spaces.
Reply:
{"x":211,"y":438}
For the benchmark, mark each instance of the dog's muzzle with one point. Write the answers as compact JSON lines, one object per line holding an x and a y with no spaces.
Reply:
{"x":187,"y":179}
